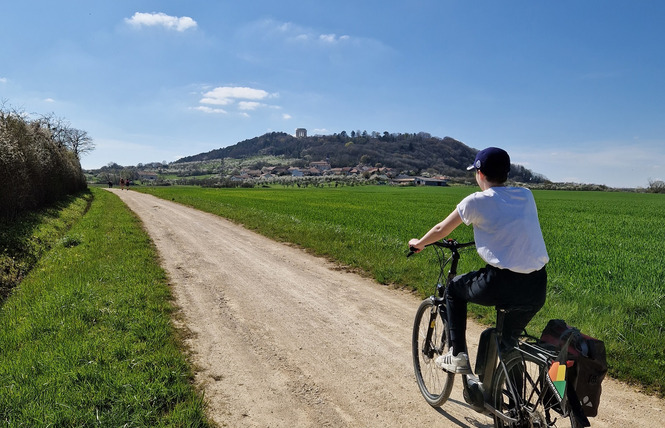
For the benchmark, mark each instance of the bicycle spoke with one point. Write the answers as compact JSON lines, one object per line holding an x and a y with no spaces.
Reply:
{"x":526,"y":374}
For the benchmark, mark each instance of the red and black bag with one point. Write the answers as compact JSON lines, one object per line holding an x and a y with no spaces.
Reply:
{"x":590,"y":359}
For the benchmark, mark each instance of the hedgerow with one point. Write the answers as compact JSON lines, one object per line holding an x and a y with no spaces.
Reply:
{"x":36,"y":169}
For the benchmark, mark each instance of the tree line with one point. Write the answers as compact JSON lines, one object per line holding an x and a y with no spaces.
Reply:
{"x":39,"y":160}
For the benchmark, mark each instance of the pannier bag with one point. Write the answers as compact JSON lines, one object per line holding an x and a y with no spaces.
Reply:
{"x":590,"y":360}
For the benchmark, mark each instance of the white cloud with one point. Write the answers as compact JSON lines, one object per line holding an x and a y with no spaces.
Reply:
{"x":288,"y":31}
{"x":225,"y":95}
{"x":249,"y":105}
{"x":240,"y":98}
{"x":284,"y":27}
{"x":206,"y":109}
{"x":161,"y":19}
{"x":332,"y":38}
{"x":286,"y":116}
{"x":290,"y":47}
{"x":49,"y":100}
{"x":3,"y":80}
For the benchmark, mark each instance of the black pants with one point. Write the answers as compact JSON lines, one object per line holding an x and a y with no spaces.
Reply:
{"x":492,"y":286}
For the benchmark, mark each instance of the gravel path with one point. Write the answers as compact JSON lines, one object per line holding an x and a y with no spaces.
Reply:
{"x":280,"y":338}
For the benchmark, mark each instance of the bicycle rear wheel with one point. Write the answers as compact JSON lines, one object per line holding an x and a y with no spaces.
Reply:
{"x":526,"y":374}
{"x":428,"y":342}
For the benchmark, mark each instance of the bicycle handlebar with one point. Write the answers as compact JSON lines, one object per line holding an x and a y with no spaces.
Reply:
{"x":450,"y":244}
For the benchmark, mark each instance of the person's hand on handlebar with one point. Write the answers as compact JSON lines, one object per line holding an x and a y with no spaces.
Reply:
{"x":415,"y":245}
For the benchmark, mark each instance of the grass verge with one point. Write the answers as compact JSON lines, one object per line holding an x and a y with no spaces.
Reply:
{"x":86,"y":338}
{"x":23,"y":240}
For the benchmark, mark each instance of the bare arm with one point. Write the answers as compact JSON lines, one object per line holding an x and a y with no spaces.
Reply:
{"x":438,"y":232}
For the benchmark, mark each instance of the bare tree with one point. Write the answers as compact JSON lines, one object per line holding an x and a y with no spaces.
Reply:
{"x":656,"y":186}
{"x":79,"y":142}
{"x":57,"y":126}
{"x":75,"y":140}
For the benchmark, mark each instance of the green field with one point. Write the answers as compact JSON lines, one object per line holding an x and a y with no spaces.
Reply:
{"x":86,"y":338}
{"x":605,"y":274}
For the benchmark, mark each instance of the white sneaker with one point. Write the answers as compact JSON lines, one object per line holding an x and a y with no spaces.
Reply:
{"x":454,"y":363}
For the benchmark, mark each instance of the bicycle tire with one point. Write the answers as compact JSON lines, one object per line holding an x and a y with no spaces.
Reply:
{"x":527,"y":374}
{"x":434,"y":383}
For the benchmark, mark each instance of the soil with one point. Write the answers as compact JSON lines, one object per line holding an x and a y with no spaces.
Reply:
{"x":281,"y":338}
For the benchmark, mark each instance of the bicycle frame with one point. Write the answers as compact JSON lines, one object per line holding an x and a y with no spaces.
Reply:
{"x":478,"y":387}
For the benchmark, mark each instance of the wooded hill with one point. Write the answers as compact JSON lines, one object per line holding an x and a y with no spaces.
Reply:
{"x":411,"y":154}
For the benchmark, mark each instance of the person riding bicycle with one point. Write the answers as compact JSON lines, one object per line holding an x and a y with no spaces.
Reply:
{"x":509,"y":239}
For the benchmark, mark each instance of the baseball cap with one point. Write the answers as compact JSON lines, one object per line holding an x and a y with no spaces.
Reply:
{"x":491,"y":161}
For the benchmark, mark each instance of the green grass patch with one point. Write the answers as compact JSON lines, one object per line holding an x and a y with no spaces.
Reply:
{"x":24,"y":239}
{"x":86,"y":338}
{"x":605,"y":274}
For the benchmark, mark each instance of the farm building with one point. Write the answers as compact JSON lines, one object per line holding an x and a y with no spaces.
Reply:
{"x":419,"y":181}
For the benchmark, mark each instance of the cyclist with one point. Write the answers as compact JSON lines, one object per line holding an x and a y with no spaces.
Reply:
{"x":509,"y":239}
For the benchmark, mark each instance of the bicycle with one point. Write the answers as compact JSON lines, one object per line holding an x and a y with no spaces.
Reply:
{"x":511,"y":384}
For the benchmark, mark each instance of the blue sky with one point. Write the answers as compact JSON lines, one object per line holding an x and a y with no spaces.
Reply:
{"x":574,"y":90}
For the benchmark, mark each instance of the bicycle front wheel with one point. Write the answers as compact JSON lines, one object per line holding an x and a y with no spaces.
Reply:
{"x":526,"y":374}
{"x":428,"y":342}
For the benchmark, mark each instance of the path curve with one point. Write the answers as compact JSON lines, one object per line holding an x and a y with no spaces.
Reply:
{"x":280,"y":338}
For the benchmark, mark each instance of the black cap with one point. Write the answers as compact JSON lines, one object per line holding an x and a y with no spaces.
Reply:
{"x":492,"y":162}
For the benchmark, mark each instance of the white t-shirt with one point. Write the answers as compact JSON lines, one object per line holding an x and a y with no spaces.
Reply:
{"x":506,"y":228}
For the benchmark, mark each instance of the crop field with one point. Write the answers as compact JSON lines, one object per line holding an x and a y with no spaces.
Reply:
{"x":605,"y":275}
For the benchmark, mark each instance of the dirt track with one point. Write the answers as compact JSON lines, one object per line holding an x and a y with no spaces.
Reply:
{"x":283,"y":339}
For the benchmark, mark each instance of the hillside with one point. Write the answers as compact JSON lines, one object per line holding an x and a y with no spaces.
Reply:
{"x":408,"y":153}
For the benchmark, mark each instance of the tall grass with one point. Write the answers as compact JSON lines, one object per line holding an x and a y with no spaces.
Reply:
{"x":605,"y":274}
{"x":86,"y":338}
